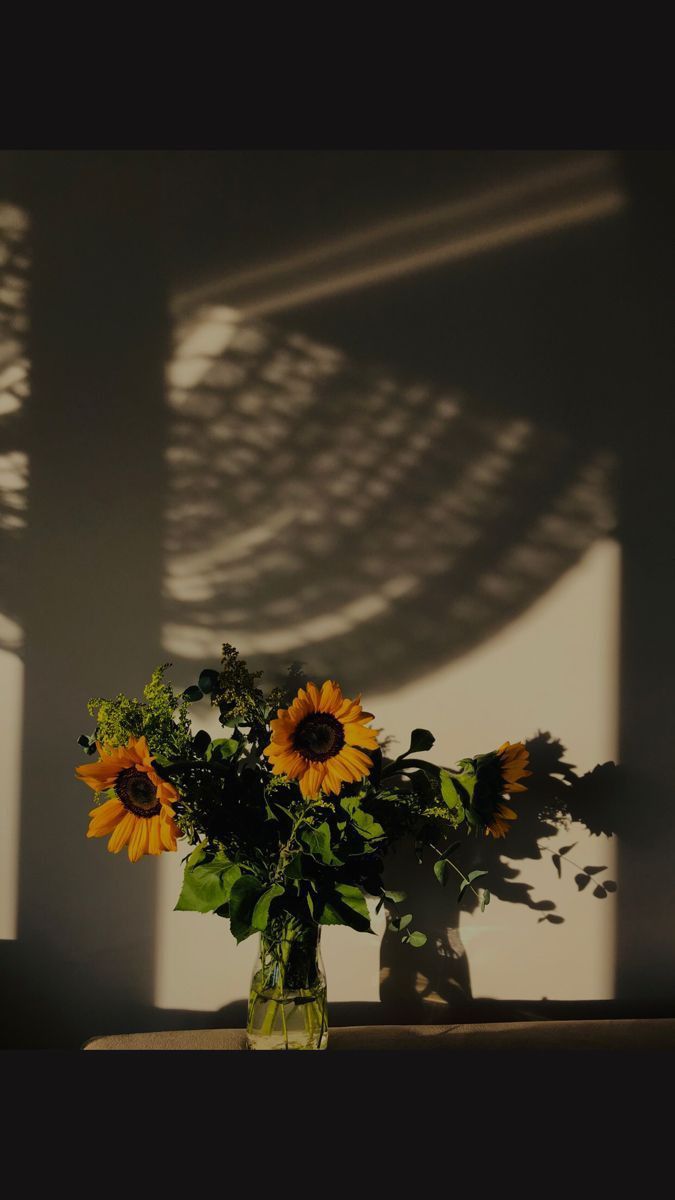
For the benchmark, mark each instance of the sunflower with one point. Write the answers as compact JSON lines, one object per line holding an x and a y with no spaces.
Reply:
{"x":140,"y":812}
{"x":319,"y":740}
{"x":497,"y":774}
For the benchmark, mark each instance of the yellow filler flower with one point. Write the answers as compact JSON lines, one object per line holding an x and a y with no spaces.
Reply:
{"x":139,"y":814}
{"x":320,"y":740}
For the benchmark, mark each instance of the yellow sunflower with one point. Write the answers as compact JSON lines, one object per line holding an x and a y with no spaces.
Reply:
{"x":511,"y":761}
{"x":320,"y":740}
{"x":140,"y":813}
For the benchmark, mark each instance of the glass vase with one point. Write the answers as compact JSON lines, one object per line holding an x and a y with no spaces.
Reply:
{"x":287,"y":1004}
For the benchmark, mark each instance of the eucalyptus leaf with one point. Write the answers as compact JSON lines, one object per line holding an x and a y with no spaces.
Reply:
{"x":222,"y":748}
{"x":208,"y":681}
{"x":192,"y":694}
{"x":441,"y":870}
{"x":200,"y":742}
{"x":416,"y":939}
{"x":398,"y":924}
{"x":468,"y":881}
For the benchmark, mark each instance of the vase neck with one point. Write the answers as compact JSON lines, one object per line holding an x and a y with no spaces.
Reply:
{"x":291,"y":937}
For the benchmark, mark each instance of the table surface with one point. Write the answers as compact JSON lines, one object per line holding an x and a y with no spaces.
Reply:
{"x":652,"y":1034}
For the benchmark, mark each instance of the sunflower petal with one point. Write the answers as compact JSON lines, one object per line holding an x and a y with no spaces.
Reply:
{"x":105,"y":818}
{"x":357,"y":735}
{"x":122,"y":833}
{"x":154,"y":836}
{"x":138,"y":840}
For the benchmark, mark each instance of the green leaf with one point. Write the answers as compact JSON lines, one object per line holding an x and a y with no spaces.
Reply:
{"x":192,"y":694}
{"x":243,"y":900}
{"x":398,"y":924}
{"x":441,"y":871}
{"x":199,"y":854}
{"x":317,"y":842}
{"x":416,"y":938}
{"x":345,"y":905}
{"x":452,"y":797}
{"x":83,"y":740}
{"x":301,"y":866}
{"x":208,"y":681}
{"x":261,"y":911}
{"x":221,"y":748}
{"x":394,"y":897}
{"x":484,"y":899}
{"x":420,"y":740}
{"x":367,"y":826}
{"x":200,"y":742}
{"x":351,"y":803}
{"x":468,"y":881}
{"x":207,"y":883}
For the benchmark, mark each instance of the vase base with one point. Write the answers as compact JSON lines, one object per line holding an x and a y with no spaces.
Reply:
{"x":294,"y":1041}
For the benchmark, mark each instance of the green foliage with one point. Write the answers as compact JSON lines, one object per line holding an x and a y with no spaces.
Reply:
{"x":416,"y":939}
{"x":453,"y":788}
{"x":264,"y":855}
{"x":235,"y":691}
{"x":420,"y":740}
{"x":207,"y":882}
{"x":161,"y":717}
{"x":441,"y":871}
{"x":261,"y":912}
{"x":244,"y":898}
{"x":468,"y":881}
{"x":318,"y":843}
{"x":345,"y":905}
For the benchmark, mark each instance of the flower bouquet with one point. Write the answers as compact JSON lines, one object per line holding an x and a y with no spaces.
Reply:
{"x":288,"y":818}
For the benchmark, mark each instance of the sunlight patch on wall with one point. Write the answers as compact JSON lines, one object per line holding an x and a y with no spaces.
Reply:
{"x":14,"y":384}
{"x":11,"y":686}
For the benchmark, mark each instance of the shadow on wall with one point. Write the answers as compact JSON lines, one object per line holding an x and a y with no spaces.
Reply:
{"x":321,"y":510}
{"x":435,"y":982}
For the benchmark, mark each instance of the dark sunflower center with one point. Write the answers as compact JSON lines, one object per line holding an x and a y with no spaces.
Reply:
{"x":137,"y":793}
{"x":319,"y":736}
